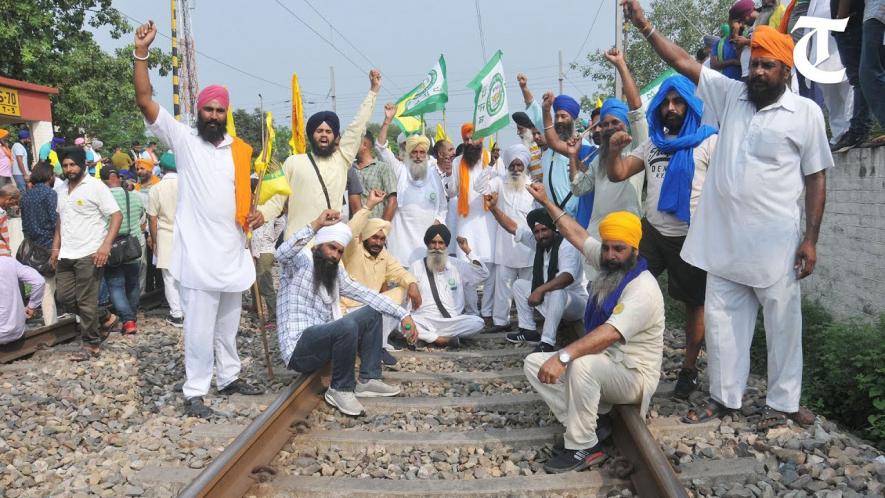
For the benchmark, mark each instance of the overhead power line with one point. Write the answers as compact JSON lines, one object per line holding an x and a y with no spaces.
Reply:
{"x":584,"y":43}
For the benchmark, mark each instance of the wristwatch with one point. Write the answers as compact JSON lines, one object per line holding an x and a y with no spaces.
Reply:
{"x":564,"y":357}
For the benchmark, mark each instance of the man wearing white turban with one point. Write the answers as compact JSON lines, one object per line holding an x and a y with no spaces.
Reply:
{"x":513,"y":259}
{"x":310,"y":325}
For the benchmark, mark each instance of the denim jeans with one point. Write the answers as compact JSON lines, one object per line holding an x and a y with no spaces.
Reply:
{"x":123,"y":287}
{"x":339,"y":342}
{"x":872,"y":67}
{"x":20,"y":182}
{"x":849,"y":45}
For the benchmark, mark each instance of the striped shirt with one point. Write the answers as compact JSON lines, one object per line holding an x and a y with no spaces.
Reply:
{"x":376,"y":175}
{"x":131,"y":224}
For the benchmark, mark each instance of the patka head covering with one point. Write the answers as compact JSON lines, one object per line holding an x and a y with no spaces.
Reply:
{"x":416,"y":141}
{"x":213,"y":92}
{"x":623,"y":226}
{"x":435,"y":230}
{"x":373,"y":226}
{"x":328,"y":117}
{"x":770,"y":43}
{"x":339,"y":232}
{"x":541,"y":216}
{"x":517,"y":151}
{"x":167,"y":161}
{"x":567,"y":104}
{"x":23,"y":134}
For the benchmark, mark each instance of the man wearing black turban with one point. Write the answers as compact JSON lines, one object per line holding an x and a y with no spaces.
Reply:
{"x":318,"y":178}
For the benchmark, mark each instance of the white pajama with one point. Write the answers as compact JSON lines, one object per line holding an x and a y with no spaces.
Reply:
{"x":451,"y":285}
{"x":172,"y":292}
{"x":471,"y":296}
{"x":432,"y":326}
{"x":505,"y":277}
{"x":210,"y":317}
{"x":562,"y":304}
{"x":590,"y":385}
{"x":730,"y":314}
{"x":50,"y":314}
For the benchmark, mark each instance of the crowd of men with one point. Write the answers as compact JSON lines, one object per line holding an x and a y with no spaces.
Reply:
{"x":555,"y":225}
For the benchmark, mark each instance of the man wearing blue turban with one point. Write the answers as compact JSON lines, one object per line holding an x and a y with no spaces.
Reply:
{"x":674,"y":159}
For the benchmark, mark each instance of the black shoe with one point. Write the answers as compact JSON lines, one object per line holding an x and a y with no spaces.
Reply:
{"x":543,"y":347}
{"x":175,"y":321}
{"x":848,"y":141}
{"x":196,"y":408}
{"x":387,"y":358}
{"x":454,"y":342}
{"x":523,"y":336}
{"x":574,"y":460}
{"x":497,"y":328}
{"x":603,"y":427}
{"x":686,"y":383}
{"x":238,"y":386}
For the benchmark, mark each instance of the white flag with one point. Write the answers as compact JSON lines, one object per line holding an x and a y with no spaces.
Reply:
{"x":490,"y":112}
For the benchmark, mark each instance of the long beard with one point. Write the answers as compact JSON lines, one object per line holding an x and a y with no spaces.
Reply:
{"x":673,"y":123}
{"x":564,"y":130}
{"x":472,"y":153}
{"x":762,"y":94}
{"x":211,"y":131}
{"x":437,"y":260}
{"x":418,"y":170}
{"x":325,"y":273}
{"x":609,"y":277}
{"x":515,"y":183}
{"x":527,"y":138}
{"x":320,"y":151}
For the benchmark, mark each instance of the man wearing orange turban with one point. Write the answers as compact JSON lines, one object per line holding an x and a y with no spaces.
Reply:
{"x":618,"y":360}
{"x":474,"y":221}
{"x":772,"y":149}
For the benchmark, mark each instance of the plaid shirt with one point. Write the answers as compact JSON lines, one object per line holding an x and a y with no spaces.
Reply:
{"x":377,"y":175}
{"x":300,"y":306}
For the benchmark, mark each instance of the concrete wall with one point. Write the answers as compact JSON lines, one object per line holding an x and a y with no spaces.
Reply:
{"x":849,"y":280}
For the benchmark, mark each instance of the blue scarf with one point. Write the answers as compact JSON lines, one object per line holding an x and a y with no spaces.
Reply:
{"x":585,"y":202}
{"x":595,"y":315}
{"x":676,"y":188}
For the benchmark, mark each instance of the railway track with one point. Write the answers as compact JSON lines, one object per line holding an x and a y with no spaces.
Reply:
{"x":299,"y":446}
{"x":39,"y":338}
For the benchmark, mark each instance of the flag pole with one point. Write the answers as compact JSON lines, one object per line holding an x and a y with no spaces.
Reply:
{"x":256,"y":292}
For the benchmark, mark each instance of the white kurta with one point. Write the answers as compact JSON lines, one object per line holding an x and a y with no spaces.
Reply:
{"x":420,"y":203}
{"x":516,"y":205}
{"x":209,"y":249}
{"x":479,"y":226}
{"x":450,"y":286}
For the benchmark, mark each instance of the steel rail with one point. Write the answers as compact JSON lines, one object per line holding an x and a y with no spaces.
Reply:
{"x":39,"y":338}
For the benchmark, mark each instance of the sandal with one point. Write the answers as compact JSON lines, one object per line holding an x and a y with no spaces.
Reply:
{"x":85,"y":354}
{"x":803,"y":417}
{"x":771,"y":419}
{"x":713,"y":410}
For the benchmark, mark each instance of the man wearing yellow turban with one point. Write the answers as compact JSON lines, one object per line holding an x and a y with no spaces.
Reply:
{"x":368,"y":262}
{"x":618,"y":360}
{"x":772,"y":149}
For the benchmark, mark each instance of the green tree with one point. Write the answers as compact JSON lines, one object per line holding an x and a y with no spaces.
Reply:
{"x":51,"y":43}
{"x":685,"y":22}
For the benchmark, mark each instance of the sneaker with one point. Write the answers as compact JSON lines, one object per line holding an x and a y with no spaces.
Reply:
{"x":129,"y":327}
{"x":194,"y":407}
{"x":374,"y":388}
{"x":523,"y":335}
{"x":175,"y":321}
{"x":387,"y":358}
{"x":344,"y":401}
{"x":240,"y":387}
{"x":543,"y":347}
{"x":686,"y":383}
{"x":848,"y":141}
{"x":575,"y":460}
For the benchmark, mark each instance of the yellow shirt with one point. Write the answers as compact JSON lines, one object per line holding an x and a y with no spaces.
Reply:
{"x":307,"y":200}
{"x":372,"y":272}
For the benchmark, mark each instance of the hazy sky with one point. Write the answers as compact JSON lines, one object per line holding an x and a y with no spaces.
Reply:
{"x":402,"y":39}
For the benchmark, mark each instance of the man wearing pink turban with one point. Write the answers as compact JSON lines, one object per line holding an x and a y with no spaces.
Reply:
{"x":209,"y":258}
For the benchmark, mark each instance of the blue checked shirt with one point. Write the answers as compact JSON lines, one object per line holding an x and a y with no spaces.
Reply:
{"x":299,"y":306}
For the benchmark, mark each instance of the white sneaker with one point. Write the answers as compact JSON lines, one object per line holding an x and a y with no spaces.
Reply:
{"x":344,"y":401}
{"x":374,"y":388}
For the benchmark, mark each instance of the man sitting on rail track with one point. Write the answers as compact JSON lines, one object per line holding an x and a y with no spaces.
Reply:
{"x":12,"y":313}
{"x":310,"y":325}
{"x":618,"y":361}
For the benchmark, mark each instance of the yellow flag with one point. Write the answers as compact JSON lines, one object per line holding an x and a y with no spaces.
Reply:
{"x":598,"y":103}
{"x":266,"y":154}
{"x":440,"y":133}
{"x":298,"y":142}
{"x":231,"y":127}
{"x":408,"y":124}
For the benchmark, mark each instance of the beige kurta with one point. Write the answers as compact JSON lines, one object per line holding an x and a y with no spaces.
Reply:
{"x":162,"y":199}
{"x":307,"y":200}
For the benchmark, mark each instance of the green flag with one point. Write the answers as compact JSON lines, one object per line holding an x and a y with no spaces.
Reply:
{"x":429,"y":96}
{"x":490,"y":104}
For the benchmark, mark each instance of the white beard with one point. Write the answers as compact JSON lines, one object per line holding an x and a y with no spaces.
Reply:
{"x":418,"y":170}
{"x":605,"y":283}
{"x":437,"y":261}
{"x":527,"y":138}
{"x":515,"y":183}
